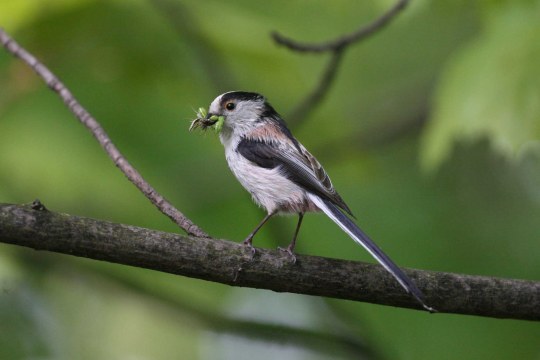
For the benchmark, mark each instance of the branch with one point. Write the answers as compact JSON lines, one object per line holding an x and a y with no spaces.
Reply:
{"x":344,"y":40}
{"x":228,"y":263}
{"x":101,"y":136}
{"x":321,"y":340}
{"x":337,"y":47}
{"x":306,"y":106}
{"x":325,"y":340}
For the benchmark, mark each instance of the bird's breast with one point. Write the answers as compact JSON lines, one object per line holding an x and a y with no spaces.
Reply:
{"x":269,"y":188}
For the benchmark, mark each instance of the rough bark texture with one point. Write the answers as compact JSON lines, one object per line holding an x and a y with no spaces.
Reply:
{"x":229,"y":263}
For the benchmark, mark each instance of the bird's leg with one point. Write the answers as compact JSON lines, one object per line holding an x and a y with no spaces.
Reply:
{"x":290,"y":249}
{"x":249,"y":240}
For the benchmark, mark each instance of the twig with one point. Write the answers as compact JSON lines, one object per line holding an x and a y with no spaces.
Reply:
{"x":344,"y":40}
{"x":337,"y":47}
{"x":218,"y":261}
{"x":306,"y":106}
{"x":101,"y":136}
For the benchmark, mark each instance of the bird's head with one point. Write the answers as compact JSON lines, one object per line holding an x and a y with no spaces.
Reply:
{"x":235,"y":111}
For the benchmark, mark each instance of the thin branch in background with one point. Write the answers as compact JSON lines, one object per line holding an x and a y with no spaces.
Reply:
{"x":218,"y":261}
{"x":344,"y":40}
{"x":337,"y":47}
{"x":101,"y":136}
{"x":306,"y":106}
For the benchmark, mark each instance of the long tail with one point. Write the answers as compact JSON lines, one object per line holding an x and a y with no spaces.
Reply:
{"x":347,"y":225}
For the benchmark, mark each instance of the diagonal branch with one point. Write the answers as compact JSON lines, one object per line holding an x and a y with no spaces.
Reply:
{"x":227,"y":263}
{"x":101,"y":136}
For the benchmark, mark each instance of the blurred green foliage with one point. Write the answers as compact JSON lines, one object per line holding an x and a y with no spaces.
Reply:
{"x":502,"y":98}
{"x":450,"y":86}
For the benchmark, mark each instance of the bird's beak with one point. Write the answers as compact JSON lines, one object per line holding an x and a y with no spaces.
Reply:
{"x":210,"y":119}
{"x":205,"y":121}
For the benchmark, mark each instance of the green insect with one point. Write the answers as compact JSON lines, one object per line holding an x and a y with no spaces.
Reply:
{"x":219,"y":123}
{"x":201,"y":113}
{"x":202,"y":122}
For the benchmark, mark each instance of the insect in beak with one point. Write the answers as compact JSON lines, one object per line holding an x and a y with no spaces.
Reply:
{"x":205,"y":120}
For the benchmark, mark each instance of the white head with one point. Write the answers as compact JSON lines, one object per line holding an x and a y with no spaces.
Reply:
{"x":242,"y":111}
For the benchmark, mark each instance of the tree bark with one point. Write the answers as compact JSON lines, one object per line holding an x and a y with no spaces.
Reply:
{"x":230,"y":263}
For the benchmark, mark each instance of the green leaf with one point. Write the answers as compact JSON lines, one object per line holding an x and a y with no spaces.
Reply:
{"x":491,"y":89}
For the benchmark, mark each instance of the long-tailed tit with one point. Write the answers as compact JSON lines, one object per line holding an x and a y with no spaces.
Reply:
{"x":280,"y":174}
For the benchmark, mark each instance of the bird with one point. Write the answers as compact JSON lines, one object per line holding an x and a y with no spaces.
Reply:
{"x":281,"y":174}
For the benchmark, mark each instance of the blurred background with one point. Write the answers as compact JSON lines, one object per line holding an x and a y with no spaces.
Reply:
{"x":430,"y":132}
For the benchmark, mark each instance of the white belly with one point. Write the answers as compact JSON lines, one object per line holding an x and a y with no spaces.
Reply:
{"x":268,"y":187}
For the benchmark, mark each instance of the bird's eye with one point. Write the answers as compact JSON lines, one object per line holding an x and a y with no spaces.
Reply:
{"x":230,"y":106}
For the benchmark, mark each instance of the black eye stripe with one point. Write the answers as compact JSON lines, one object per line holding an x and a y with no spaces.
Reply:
{"x":240,"y":96}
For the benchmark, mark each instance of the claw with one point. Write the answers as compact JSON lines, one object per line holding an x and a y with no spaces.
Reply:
{"x":289,"y":251}
{"x":247,"y":244}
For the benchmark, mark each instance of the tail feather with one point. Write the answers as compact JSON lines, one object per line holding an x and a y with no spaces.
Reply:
{"x":347,"y":225}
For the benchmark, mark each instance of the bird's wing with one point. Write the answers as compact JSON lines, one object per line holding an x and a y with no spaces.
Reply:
{"x":296,"y":163}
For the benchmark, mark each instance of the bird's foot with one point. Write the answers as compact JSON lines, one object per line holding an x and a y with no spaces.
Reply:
{"x":248,"y":244}
{"x":289,"y":251}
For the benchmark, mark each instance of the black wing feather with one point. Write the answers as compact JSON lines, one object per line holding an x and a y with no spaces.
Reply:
{"x":259,"y":153}
{"x":303,"y":170}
